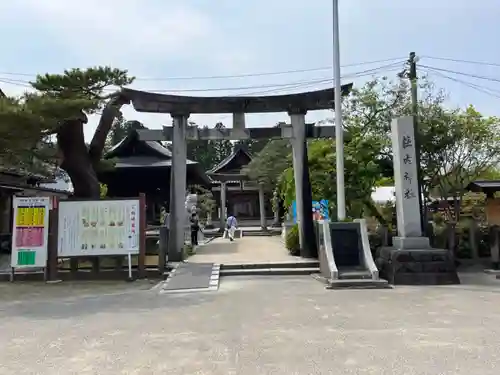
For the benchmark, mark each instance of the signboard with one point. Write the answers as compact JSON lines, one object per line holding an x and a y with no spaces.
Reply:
{"x":346,"y":244}
{"x":93,"y":228}
{"x":30,"y":232}
{"x":319,"y":210}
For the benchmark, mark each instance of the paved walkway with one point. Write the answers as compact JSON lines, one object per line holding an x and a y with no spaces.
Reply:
{"x":244,"y":250}
{"x":258,"y":326}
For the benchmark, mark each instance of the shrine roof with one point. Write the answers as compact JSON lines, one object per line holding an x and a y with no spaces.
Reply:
{"x":133,"y":153}
{"x":144,"y":101}
{"x":484,"y":186}
{"x":128,"y":147}
{"x":233,"y":163}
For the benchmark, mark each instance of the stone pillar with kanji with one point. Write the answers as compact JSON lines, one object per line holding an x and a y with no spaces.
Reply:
{"x":406,"y":186}
{"x":411,"y":260}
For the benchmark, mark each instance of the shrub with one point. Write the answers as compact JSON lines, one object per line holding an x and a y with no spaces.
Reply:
{"x":292,"y":241}
{"x":375,"y":240}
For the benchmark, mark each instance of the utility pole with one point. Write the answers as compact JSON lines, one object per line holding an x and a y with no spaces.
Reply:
{"x":412,"y":75}
{"x":339,"y":129}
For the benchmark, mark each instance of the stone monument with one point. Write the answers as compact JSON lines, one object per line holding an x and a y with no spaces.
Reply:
{"x":411,"y":260}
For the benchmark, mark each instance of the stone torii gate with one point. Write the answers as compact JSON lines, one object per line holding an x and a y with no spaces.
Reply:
{"x":181,"y":107}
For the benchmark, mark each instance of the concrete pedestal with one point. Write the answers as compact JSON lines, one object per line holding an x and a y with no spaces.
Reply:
{"x":417,"y":266}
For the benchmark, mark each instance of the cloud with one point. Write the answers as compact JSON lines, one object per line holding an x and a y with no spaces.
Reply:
{"x":108,"y":32}
{"x":146,"y":38}
{"x":164,"y":38}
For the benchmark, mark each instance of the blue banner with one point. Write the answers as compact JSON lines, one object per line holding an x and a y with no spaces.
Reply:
{"x":319,"y":210}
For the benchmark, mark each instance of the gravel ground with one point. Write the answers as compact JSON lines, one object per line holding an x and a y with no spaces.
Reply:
{"x":266,"y":325}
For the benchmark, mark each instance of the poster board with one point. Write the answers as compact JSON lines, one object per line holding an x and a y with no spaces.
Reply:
{"x":319,"y":210}
{"x":100,"y":227}
{"x":30,"y":232}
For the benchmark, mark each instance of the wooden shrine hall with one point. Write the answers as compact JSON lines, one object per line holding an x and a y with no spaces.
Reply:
{"x":181,"y":107}
{"x":235,"y":194}
{"x":144,"y":167}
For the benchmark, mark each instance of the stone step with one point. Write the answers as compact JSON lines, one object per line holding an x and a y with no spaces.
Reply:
{"x":358,"y":284}
{"x":273,"y":265}
{"x":354,"y":275}
{"x":269,"y":271}
{"x":254,"y":233}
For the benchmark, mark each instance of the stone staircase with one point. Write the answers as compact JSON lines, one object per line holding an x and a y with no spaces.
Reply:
{"x":356,"y":277}
{"x":270,"y":269}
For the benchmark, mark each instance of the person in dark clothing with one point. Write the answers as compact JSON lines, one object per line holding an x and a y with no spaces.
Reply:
{"x":195,"y":227}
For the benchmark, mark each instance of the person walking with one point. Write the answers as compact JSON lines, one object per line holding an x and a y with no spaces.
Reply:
{"x":231,"y":225}
{"x":195,"y":227}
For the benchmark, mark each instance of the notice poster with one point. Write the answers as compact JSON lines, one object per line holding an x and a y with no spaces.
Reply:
{"x":30,"y":232}
{"x":93,"y":228}
{"x":319,"y":210}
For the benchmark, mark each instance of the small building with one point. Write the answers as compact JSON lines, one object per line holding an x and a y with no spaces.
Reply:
{"x":235,"y":194}
{"x":492,"y":204}
{"x":138,"y":166}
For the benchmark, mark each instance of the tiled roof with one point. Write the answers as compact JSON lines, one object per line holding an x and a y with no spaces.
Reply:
{"x":237,"y":149}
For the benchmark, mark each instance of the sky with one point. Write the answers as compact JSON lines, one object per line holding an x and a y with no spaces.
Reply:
{"x":160,"y":41}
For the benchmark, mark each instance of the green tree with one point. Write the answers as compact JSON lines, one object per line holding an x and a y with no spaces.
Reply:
{"x":59,"y":106}
{"x":473,"y":152}
{"x":254,"y":146}
{"x":451,"y":140}
{"x":208,"y":153}
{"x":267,"y":166}
{"x":361,"y":174}
{"x":25,"y":140}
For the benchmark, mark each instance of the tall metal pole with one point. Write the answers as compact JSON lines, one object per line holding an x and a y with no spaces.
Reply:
{"x":339,"y":132}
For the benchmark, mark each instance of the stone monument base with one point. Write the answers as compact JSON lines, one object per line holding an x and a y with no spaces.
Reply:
{"x":414,"y":243}
{"x":417,"y":266}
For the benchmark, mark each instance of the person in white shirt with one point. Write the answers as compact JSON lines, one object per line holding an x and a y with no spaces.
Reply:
{"x":231,"y":225}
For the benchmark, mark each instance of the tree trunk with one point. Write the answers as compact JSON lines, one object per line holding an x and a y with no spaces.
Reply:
{"x":76,"y":161}
{"x":108,"y":116}
{"x":79,"y":161}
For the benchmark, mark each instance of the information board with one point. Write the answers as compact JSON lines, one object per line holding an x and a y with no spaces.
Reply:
{"x":30,"y":232}
{"x":93,"y":228}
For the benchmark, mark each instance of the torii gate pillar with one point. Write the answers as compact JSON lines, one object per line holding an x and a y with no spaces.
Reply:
{"x":178,"y":172}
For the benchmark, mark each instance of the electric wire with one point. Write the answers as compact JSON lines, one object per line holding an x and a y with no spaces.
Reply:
{"x":461,"y":61}
{"x":313,"y":84}
{"x":244,"y":75}
{"x":270,"y":87}
{"x":482,"y":89}
{"x":461,"y":73}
